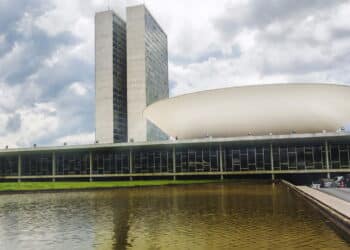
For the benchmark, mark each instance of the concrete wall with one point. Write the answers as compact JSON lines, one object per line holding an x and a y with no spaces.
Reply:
{"x":147,"y":52}
{"x":111,"y":110}
{"x":147,"y":75}
{"x":104,"y":76}
{"x":157,"y":81}
{"x":136,"y":80}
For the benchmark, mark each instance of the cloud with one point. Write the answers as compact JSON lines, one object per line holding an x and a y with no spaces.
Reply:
{"x":28,"y":56}
{"x":256,"y":14}
{"x":78,"y":88}
{"x":14,"y":123}
{"x":278,"y":41}
{"x":76,"y":139}
{"x":47,"y":55}
{"x":36,"y":123}
{"x":42,"y":73}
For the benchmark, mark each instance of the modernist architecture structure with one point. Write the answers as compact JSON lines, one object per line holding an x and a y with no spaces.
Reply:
{"x":110,"y":74}
{"x":266,"y":130}
{"x":147,"y":71}
{"x":277,"y":109}
{"x":131,"y":73}
{"x":292,"y":131}
{"x":276,"y":155}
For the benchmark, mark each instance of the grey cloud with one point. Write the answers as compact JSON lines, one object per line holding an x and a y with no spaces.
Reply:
{"x":14,"y":123}
{"x":297,"y":68}
{"x":287,"y":42}
{"x":54,"y":80}
{"x":172,"y":85}
{"x":304,"y":64}
{"x":76,"y":114}
{"x":41,"y":83}
{"x":210,"y":53}
{"x":341,"y":33}
{"x":11,"y":11}
{"x":35,"y":46}
{"x":257,"y":14}
{"x":284,"y":37}
{"x":34,"y":51}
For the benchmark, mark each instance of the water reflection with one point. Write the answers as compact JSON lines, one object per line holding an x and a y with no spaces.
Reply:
{"x":213,"y":216}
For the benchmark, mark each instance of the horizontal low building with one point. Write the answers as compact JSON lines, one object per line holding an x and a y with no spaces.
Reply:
{"x":271,"y":130}
{"x":323,"y":153}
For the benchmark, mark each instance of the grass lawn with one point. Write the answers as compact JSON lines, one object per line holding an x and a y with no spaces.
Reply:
{"x":37,"y":186}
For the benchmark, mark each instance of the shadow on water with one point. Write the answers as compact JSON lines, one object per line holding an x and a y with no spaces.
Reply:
{"x":121,"y":223}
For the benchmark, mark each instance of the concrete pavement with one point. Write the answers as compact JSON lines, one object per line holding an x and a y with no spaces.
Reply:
{"x":341,"y":193}
{"x":335,"y":203}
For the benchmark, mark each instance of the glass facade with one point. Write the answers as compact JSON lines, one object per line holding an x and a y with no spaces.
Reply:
{"x":40,"y":164}
{"x":120,"y":118}
{"x":72,"y":163}
{"x":9,"y":165}
{"x":147,"y":66}
{"x":156,"y":54}
{"x":152,"y":161}
{"x":191,"y":159}
{"x":110,"y":162}
{"x":110,"y":78}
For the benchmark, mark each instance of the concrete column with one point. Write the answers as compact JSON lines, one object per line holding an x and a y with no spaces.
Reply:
{"x":327,"y":160}
{"x":130,"y":164}
{"x":90,"y":166}
{"x":221,"y":165}
{"x":174,"y":162}
{"x":272,"y":163}
{"x":53,"y":166}
{"x":19,"y":170}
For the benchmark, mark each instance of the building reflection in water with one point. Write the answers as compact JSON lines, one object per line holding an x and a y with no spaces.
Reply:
{"x":210,"y":216}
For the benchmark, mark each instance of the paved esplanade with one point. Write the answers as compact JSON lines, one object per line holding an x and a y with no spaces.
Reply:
{"x":342,"y":193}
{"x":342,"y":206}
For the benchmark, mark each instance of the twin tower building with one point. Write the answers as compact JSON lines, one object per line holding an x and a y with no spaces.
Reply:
{"x":131,"y":71}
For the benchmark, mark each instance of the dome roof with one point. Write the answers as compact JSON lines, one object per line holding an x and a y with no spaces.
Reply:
{"x":254,"y":109}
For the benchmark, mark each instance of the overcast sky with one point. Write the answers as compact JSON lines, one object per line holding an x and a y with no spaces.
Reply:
{"x":47,"y":55}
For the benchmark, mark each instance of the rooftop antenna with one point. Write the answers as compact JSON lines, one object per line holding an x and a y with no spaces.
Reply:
{"x":109,"y":4}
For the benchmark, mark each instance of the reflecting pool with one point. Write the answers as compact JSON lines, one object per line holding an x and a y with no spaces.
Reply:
{"x":241,"y":215}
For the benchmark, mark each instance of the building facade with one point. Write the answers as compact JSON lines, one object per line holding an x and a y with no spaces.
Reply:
{"x":110,"y":74}
{"x":279,"y":156}
{"x":147,"y":69}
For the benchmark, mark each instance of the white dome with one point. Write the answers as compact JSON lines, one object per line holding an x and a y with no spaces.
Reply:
{"x":256,"y":110}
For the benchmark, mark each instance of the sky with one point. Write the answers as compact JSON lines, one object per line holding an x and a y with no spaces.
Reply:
{"x":47,"y":55}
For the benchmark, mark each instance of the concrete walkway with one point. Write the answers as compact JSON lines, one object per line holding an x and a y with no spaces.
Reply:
{"x":342,"y":193}
{"x":341,"y":206}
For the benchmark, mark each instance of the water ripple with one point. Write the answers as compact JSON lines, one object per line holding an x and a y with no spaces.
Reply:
{"x":214,"y":216}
